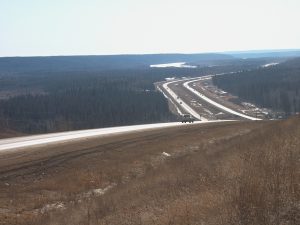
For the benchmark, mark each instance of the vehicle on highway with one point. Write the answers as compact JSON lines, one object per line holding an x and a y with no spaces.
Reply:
{"x":187,"y":118}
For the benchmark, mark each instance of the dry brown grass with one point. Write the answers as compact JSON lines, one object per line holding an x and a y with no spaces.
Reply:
{"x":268,"y":189}
{"x":241,"y":173}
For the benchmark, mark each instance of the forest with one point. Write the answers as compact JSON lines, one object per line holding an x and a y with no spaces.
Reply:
{"x":276,"y":87}
{"x":42,"y":102}
{"x":99,"y":62}
{"x":50,"y":94}
{"x":69,"y":101}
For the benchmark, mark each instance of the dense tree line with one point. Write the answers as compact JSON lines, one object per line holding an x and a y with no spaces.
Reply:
{"x":276,"y":87}
{"x":98,"y":63}
{"x":78,"y":102}
{"x":57,"y":101}
{"x":66,"y":93}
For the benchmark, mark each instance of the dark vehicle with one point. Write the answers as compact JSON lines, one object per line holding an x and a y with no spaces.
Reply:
{"x":187,"y":118}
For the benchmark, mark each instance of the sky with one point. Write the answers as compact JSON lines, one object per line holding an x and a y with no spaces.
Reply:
{"x":100,"y":27}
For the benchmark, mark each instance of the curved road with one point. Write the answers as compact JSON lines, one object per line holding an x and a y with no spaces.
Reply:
{"x":183,"y":104}
{"x":222,"y":107}
{"x":186,"y":107}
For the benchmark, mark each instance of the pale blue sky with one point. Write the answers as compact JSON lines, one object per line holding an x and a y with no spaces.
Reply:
{"x":93,"y":27}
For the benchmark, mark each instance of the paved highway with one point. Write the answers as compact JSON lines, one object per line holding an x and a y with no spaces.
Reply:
{"x":183,"y":104}
{"x":45,"y":139}
{"x":38,"y":140}
{"x":222,"y":107}
{"x":186,"y":107}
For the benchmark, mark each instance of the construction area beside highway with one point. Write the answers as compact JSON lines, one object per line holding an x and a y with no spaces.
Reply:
{"x":200,"y":98}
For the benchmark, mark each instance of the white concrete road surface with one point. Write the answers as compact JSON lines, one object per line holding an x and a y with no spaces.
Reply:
{"x":222,"y":107}
{"x":183,"y":104}
{"x":45,"y":139}
{"x":188,"y":109}
{"x":38,"y":140}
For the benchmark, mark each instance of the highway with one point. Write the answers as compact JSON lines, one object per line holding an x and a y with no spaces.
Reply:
{"x":185,"y":106}
{"x":222,"y":107}
{"x":46,"y":139}
{"x":54,"y":138}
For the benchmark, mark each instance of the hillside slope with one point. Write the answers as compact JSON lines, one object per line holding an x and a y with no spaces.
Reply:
{"x":276,"y":87}
{"x":232,"y":173}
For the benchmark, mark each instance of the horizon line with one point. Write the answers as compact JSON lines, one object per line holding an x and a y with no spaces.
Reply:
{"x":253,"y":51}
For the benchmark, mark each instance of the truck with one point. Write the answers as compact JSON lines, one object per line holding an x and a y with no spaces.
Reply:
{"x":187,"y":118}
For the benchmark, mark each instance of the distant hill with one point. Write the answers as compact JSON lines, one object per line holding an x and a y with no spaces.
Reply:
{"x":115,"y":62}
{"x":96,"y":63}
{"x":266,"y":53}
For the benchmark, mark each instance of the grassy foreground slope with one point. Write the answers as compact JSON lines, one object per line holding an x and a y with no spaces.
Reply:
{"x":234,"y":173}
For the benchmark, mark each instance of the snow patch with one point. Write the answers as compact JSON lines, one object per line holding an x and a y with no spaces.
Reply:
{"x":176,"y":65}
{"x":98,"y":191}
{"x":209,"y":112}
{"x":166,"y":154}
{"x":270,"y":64}
{"x":170,"y":78}
{"x":54,"y":206}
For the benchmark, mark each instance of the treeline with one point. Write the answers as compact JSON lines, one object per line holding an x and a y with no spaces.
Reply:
{"x":276,"y":87}
{"x":65,"y":93}
{"x":98,"y":63}
{"x":57,"y":101}
{"x":79,"y":101}
{"x":80,"y":108}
